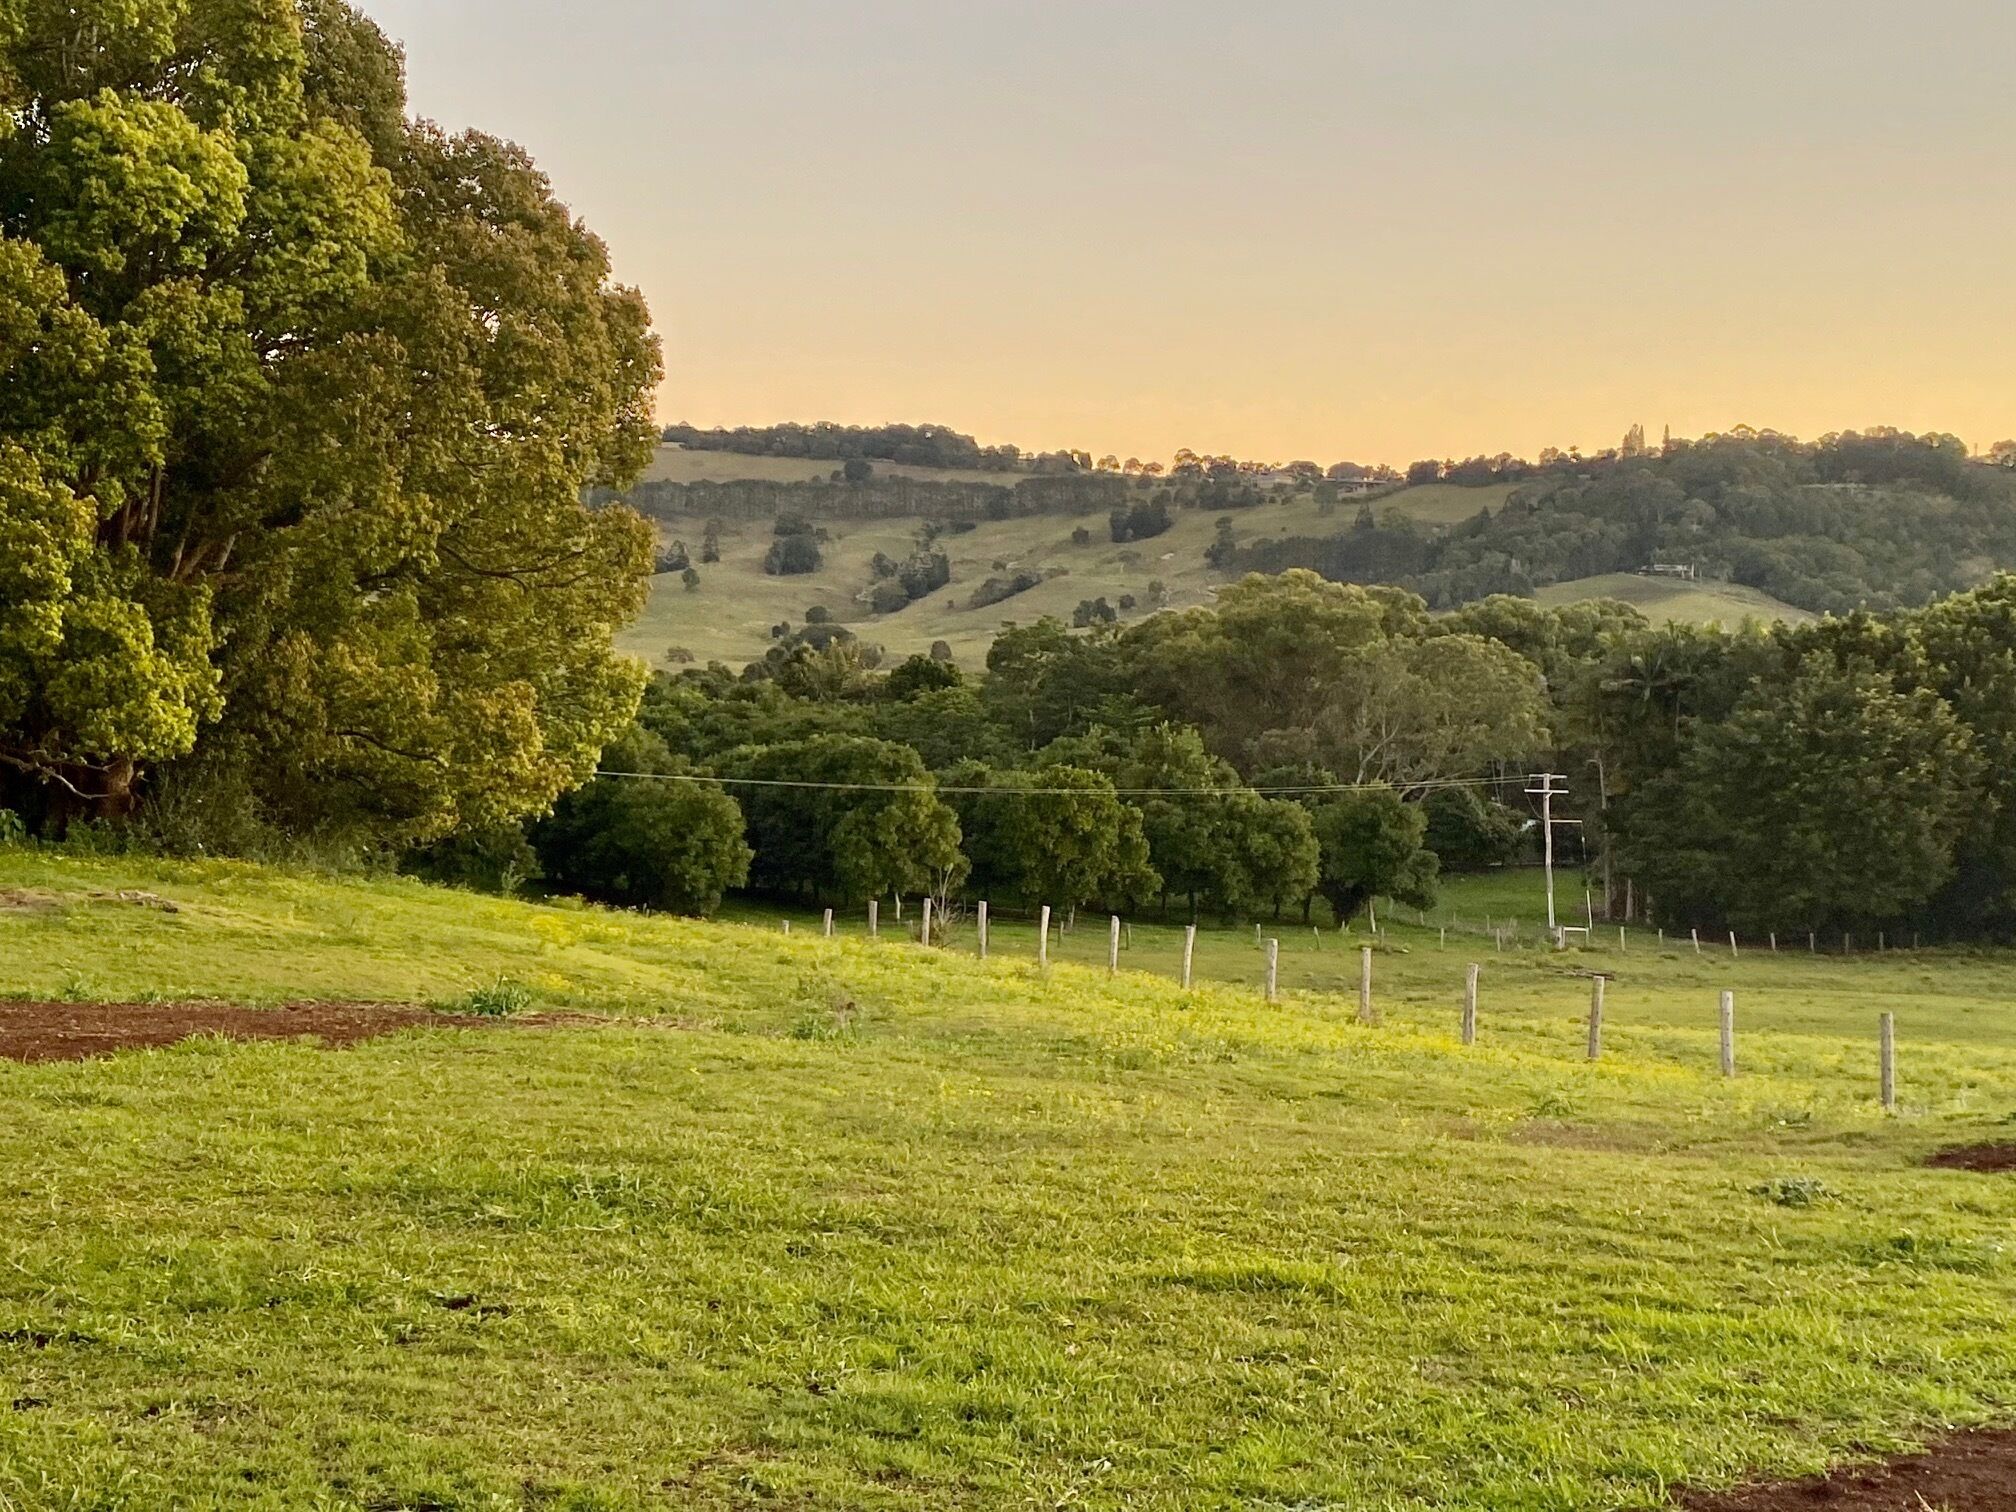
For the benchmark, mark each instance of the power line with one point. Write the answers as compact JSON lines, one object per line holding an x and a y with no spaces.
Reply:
{"x":698,"y":779}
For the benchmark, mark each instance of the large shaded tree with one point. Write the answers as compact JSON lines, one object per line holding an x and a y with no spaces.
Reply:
{"x":642,"y":838}
{"x":842,"y":817}
{"x":1828,"y":800}
{"x":297,"y":403}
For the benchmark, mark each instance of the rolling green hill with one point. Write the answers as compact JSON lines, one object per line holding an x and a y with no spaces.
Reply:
{"x":788,"y":1221}
{"x":1726,"y":604}
{"x":730,"y":616}
{"x":677,"y":464}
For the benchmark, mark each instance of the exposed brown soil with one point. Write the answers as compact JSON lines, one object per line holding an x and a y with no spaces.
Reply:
{"x":1983,"y":1157}
{"x":79,"y":1031}
{"x":1973,"y":1472}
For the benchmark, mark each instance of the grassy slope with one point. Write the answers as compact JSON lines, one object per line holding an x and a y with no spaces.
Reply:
{"x":730,"y":616}
{"x":990,"y":1240}
{"x":675,"y":464}
{"x":1690,"y":603}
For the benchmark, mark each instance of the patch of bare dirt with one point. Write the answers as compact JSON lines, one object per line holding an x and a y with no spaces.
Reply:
{"x":26,"y":900}
{"x":31,"y":1031}
{"x":1981,"y":1157}
{"x":1971,"y":1472}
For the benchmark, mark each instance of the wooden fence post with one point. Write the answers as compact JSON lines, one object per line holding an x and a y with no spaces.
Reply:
{"x":925,"y":919}
{"x":1596,"y":1021}
{"x":1189,"y":954}
{"x":1113,"y":950}
{"x":1273,"y":971}
{"x":1470,"y":1005}
{"x":787,"y":926}
{"x":1043,"y":938}
{"x":1728,"y":1034}
{"x":829,"y":923}
{"x":1367,"y":1014}
{"x":983,"y":931}
{"x":874,"y":918}
{"x":1889,"y":1061}
{"x":1697,"y":941}
{"x":1732,"y":945}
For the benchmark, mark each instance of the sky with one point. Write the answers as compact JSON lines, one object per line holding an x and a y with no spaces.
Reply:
{"x":1284,"y":229}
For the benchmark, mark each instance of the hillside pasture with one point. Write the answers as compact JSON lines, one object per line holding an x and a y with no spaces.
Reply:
{"x":679,"y":464}
{"x":1678,"y":601}
{"x":853,"y":1223}
{"x":728,"y":618}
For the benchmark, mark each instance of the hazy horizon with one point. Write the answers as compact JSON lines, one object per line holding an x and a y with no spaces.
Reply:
{"x":1321,"y":230}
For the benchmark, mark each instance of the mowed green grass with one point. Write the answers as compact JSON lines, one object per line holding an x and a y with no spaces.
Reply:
{"x":1664,"y":599}
{"x":851,"y":1223}
{"x":730,"y":616}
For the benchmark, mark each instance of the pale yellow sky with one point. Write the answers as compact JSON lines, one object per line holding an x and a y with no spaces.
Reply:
{"x":1318,"y":229}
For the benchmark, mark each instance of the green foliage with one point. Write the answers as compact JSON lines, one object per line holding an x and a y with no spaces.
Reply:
{"x":498,"y":859}
{"x":793,"y":555}
{"x":1884,"y":519}
{"x":677,"y":847}
{"x":919,"y":675}
{"x":1469,"y":831}
{"x":1068,"y":843}
{"x":1827,"y":801}
{"x":502,"y":998}
{"x":868,"y":823}
{"x":287,"y":384}
{"x":1373,"y":847}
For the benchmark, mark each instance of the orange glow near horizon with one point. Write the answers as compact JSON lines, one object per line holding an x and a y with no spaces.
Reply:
{"x":1316,"y":229}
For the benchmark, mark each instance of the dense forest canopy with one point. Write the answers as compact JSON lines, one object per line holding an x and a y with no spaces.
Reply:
{"x":298,"y":399}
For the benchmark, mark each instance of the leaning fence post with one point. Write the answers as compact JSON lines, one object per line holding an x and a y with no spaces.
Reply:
{"x":1043,"y":938}
{"x":1470,"y":1005}
{"x":829,"y":923}
{"x":1273,"y":971}
{"x":1596,"y":1021}
{"x":1189,"y":953}
{"x":983,"y":931}
{"x":1728,"y":1034}
{"x":1697,"y":942}
{"x":1113,"y":949}
{"x":1367,"y":1014}
{"x":1889,"y":1062}
{"x":1732,"y":944}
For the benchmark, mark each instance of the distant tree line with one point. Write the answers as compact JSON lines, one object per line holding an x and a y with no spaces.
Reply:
{"x":908,"y":445}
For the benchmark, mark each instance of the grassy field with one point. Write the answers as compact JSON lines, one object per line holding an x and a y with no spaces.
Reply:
{"x":1687,"y":603}
{"x":730,"y":615}
{"x":676,"y":464}
{"x":850,"y":1223}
